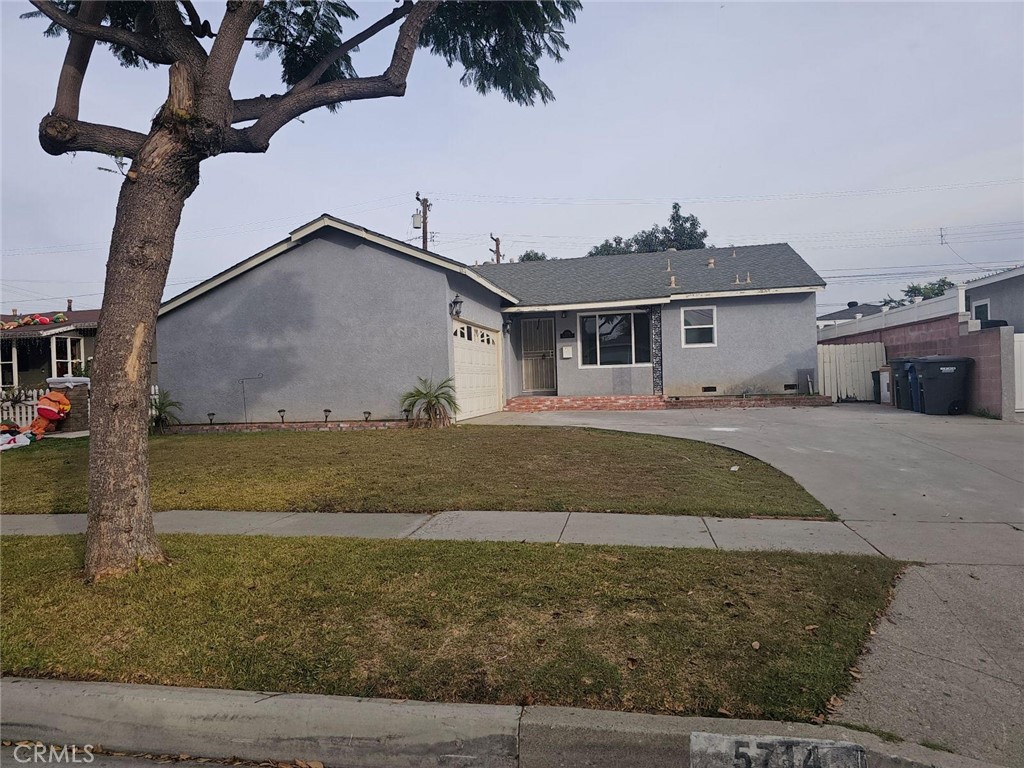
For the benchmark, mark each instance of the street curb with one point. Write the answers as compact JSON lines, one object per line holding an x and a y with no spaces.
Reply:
{"x":347,"y":732}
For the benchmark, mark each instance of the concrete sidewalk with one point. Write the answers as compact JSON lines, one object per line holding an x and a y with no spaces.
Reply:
{"x":963,"y":544}
{"x":345,"y":732}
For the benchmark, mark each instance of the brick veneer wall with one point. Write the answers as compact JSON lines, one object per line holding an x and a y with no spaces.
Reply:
{"x":275,"y":426}
{"x":941,"y":336}
{"x":530,"y":404}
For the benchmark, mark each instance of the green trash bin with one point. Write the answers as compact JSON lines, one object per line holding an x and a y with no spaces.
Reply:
{"x":944,"y":384}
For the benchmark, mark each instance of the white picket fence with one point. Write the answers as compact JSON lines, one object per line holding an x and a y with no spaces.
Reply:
{"x":844,"y":370}
{"x":24,"y":412}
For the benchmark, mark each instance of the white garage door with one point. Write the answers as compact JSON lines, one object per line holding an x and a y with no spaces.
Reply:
{"x":477,"y":372}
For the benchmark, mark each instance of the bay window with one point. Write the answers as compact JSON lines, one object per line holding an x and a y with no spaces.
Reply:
{"x":622,"y":338}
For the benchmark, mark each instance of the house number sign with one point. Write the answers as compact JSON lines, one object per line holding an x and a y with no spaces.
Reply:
{"x":715,"y":750}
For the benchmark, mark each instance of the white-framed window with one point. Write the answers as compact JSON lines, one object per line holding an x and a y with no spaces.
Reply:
{"x":8,"y":363}
{"x":980,"y":309}
{"x":700,"y":327}
{"x":619,"y":338}
{"x":66,"y":353}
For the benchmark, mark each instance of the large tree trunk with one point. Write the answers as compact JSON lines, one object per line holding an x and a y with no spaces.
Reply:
{"x":121,"y":535}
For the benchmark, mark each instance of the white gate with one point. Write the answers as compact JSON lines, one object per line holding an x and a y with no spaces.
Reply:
{"x":844,"y":370}
{"x":1018,"y":371}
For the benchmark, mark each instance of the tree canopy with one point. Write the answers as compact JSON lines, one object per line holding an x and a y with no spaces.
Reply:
{"x":926,"y":291}
{"x":532,"y":255}
{"x":683,"y":233}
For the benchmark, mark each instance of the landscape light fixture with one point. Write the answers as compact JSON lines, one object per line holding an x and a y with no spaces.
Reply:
{"x":327,"y":414}
{"x":455,"y":307}
{"x":406,"y":411}
{"x":210,"y":416}
{"x":366,"y":415}
{"x":280,"y":412}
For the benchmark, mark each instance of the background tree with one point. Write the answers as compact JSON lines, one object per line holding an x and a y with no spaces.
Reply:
{"x":683,"y":233}
{"x":532,"y":255}
{"x":926,"y":291}
{"x":497,"y":44}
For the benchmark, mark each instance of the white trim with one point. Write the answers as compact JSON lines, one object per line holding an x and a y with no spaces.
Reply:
{"x":67,"y":349}
{"x":295,"y":238}
{"x":632,"y":339}
{"x":753,"y":292}
{"x":713,"y":326}
{"x":58,"y":330}
{"x":978,"y":303}
{"x":591,"y":305}
{"x":998,"y":277}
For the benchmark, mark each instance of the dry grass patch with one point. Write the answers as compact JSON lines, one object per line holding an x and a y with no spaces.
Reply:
{"x":469,"y":467}
{"x":652,"y":630}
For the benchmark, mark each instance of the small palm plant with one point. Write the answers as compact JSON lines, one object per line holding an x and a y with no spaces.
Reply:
{"x":431,"y":404}
{"x":162,"y":412}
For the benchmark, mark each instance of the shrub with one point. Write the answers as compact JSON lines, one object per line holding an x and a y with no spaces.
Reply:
{"x":162,"y":412}
{"x":431,"y":404}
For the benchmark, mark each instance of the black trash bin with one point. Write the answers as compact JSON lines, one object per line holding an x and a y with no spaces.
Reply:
{"x":914,"y":385}
{"x":876,"y":384}
{"x":901,"y":384}
{"x":944,"y":384}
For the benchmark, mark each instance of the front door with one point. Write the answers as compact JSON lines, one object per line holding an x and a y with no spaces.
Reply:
{"x":538,"y":343}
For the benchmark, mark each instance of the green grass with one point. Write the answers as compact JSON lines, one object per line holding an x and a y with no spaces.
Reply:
{"x":468,"y":467}
{"x":623,"y":628}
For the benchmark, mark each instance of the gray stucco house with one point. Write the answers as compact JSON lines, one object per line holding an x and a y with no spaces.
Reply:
{"x":338,"y":317}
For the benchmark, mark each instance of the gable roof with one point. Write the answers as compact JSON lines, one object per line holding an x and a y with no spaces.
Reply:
{"x":77,"y":320}
{"x":327,"y":222}
{"x":995,"y":277}
{"x":850,"y":313}
{"x":646,"y":277}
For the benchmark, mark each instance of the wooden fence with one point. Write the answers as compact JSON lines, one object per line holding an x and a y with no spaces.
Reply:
{"x":844,"y":370}
{"x":23,"y":412}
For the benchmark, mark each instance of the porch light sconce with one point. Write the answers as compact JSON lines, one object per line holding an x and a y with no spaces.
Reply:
{"x":455,"y":307}
{"x":327,"y":414}
{"x":210,"y":416}
{"x":366,"y":415}
{"x":406,"y":411}
{"x":564,"y":314}
{"x":280,"y":412}
{"x":506,"y":327}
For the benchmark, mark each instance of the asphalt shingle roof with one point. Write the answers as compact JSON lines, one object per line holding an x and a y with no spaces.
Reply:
{"x":849,"y":313}
{"x":638,"y":276}
{"x":79,"y":318}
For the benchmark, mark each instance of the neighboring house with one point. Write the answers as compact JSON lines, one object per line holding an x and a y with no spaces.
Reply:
{"x":338,"y":317}
{"x":851,"y":312}
{"x":30,"y":354}
{"x":998,"y":297}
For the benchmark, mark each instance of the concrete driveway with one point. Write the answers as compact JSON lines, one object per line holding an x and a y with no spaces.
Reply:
{"x":945,"y":665}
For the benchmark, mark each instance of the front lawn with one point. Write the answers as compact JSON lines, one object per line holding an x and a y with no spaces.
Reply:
{"x":651,"y":630}
{"x":466,"y":467}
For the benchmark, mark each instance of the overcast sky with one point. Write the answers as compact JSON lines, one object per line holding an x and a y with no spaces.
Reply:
{"x":852,"y":131}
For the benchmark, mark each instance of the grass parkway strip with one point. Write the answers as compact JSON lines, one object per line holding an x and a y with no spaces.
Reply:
{"x":696,"y":632}
{"x":556,"y":469}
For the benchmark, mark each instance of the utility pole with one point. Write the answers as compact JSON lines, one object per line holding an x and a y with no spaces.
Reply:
{"x":496,"y":250}
{"x":424,"y":210}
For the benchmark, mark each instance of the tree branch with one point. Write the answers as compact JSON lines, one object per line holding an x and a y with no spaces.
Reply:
{"x":318,"y":71}
{"x":215,"y":92}
{"x":254,"y":108}
{"x":147,"y":47}
{"x":60,"y":135}
{"x":181,"y":44}
{"x":278,"y":112}
{"x":76,"y":61}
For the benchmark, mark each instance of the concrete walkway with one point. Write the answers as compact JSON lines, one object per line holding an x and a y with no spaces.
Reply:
{"x":989,"y":544}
